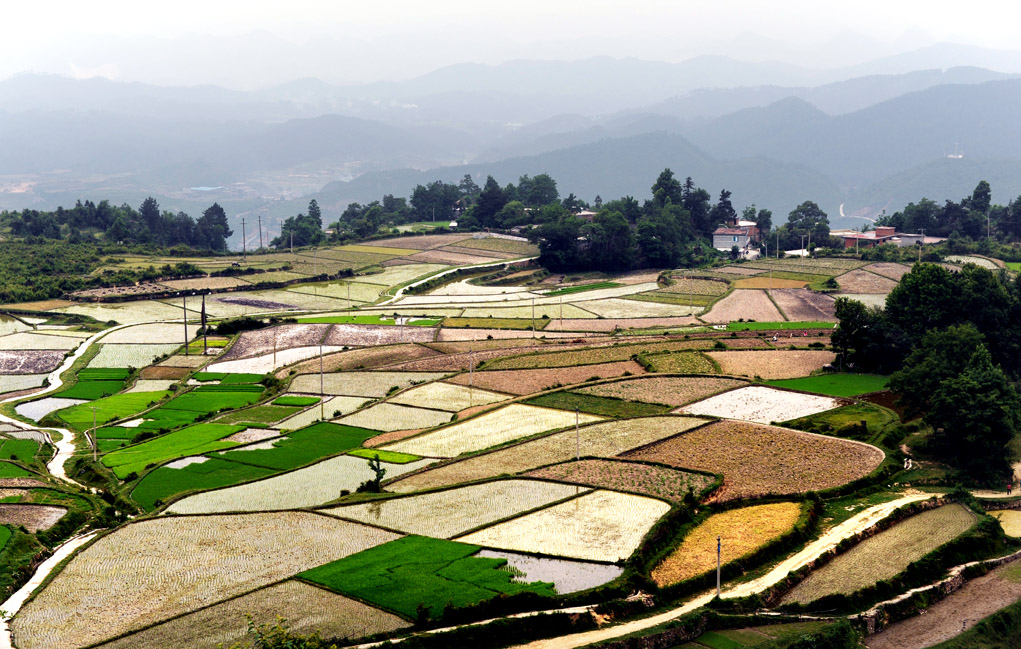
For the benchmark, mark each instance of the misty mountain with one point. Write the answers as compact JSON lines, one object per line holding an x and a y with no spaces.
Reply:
{"x":613,"y":168}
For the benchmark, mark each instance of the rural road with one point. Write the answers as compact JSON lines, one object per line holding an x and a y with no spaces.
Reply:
{"x":865,"y":519}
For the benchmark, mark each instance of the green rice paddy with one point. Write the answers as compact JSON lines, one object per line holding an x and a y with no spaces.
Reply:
{"x":109,"y":409}
{"x":605,"y":406}
{"x":193,"y":440}
{"x":393,"y":457}
{"x":836,"y":385}
{"x":8,"y":470}
{"x":418,"y":570}
{"x":296,"y":401}
{"x":163,"y":483}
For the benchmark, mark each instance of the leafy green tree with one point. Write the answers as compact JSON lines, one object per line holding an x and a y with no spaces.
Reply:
{"x":627,"y":206}
{"x":538,"y":191}
{"x":697,"y":201}
{"x":663,"y":236}
{"x":941,"y":355}
{"x":667,"y":189}
{"x":865,"y":340}
{"x":212,"y":228}
{"x":764,"y":221}
{"x":723,"y":211}
{"x":924,"y":299}
{"x":435,"y":201}
{"x":558,"y":243}
{"x":468,"y":189}
{"x":974,"y":415}
{"x":490,"y":201}
{"x":512,"y":214}
{"x":808,"y":218}
{"x":611,"y":242}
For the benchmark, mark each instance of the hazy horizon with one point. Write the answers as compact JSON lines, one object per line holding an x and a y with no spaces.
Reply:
{"x":244,"y":46}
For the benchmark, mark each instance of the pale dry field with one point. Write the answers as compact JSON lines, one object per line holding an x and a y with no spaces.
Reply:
{"x":151,"y":570}
{"x":609,"y":324}
{"x":269,"y":362}
{"x":862,"y":281}
{"x":747,"y":304}
{"x":25,"y":340}
{"x":773,"y":364}
{"x":447,"y":396}
{"x":490,"y":429}
{"x":125,"y":355}
{"x":802,"y":305}
{"x":767,"y":282}
{"x":389,"y":417}
{"x":361,"y":384}
{"x":367,"y":358}
{"x":151,"y":333}
{"x":328,"y":409}
{"x":16,"y":382}
{"x":761,"y":404}
{"x":604,"y":439}
{"x":448,"y":513}
{"x":306,"y":608}
{"x":356,"y":335}
{"x":281,"y":337}
{"x":621,"y":308}
{"x":1010,"y":520}
{"x":889,"y":269}
{"x":308,"y":487}
{"x":599,"y":526}
{"x":33,"y":517}
{"x":668,"y":390}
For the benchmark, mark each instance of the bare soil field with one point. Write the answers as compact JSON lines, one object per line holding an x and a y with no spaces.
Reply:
{"x":423,"y":242}
{"x":756,"y":460}
{"x":746,"y":304}
{"x":483,"y":345}
{"x":451,"y":258}
{"x":888,"y":269}
{"x":609,"y":324}
{"x":594,"y":355}
{"x":30,"y":361}
{"x":765,"y":281}
{"x":183,"y":360}
{"x":21,"y":483}
{"x":747,"y":343}
{"x":452,"y":362}
{"x":668,"y":390}
{"x":645,"y":479}
{"x":364,"y":335}
{"x":496,"y":255}
{"x":522,"y":382}
{"x":255,"y":303}
{"x":32,"y":517}
{"x":943,"y":620}
{"x":697,"y":286}
{"x":803,"y":305}
{"x":213,"y":283}
{"x":42,"y":305}
{"x":772,"y":364}
{"x":368,"y":358}
{"x":164,"y":373}
{"x":862,"y":281}
{"x":263,"y":341}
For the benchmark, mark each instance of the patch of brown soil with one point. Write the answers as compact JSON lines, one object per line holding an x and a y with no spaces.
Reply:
{"x":22,"y":482}
{"x":802,"y":305}
{"x":521,"y":382}
{"x":772,"y":364}
{"x":394,"y":436}
{"x":33,"y":517}
{"x":862,"y":281}
{"x":747,"y":304}
{"x":162,"y":372}
{"x":368,"y":358}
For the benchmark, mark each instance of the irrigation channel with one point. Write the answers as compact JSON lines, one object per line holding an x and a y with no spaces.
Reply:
{"x":857,"y":523}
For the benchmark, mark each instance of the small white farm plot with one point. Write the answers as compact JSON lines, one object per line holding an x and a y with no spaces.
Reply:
{"x":361,"y":384}
{"x":152,"y":385}
{"x":490,"y":429}
{"x":151,"y":333}
{"x":25,"y":340}
{"x":130,"y":355}
{"x":448,"y":396}
{"x":320,"y":411}
{"x":155,"y":569}
{"x":308,"y":487}
{"x":761,"y":404}
{"x":389,"y":417}
{"x":599,"y":526}
{"x":269,"y":362}
{"x":38,"y":409}
{"x":14,"y":382}
{"x":443,"y":514}
{"x":622,"y":308}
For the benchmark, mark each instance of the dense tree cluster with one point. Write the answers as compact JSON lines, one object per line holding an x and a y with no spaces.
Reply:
{"x":302,"y":230}
{"x":953,"y":343}
{"x":147,"y":225}
{"x":973,"y":216}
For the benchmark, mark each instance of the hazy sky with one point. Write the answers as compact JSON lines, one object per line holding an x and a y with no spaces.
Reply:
{"x":246,"y":43}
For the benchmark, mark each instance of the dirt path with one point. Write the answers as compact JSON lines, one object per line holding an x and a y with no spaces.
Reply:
{"x":947,"y":618}
{"x":17,"y":600}
{"x":813,"y":550}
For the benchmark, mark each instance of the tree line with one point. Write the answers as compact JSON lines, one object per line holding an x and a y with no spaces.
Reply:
{"x":147,"y":225}
{"x":952,"y":341}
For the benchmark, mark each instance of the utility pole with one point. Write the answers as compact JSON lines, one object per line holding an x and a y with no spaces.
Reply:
{"x":244,"y":249}
{"x":92,"y":440}
{"x":322,"y":391}
{"x":533,"y":317}
{"x":260,"y":232}
{"x":471,"y":374}
{"x":561,"y":312}
{"x":921,"y":244}
{"x":719,"y":544}
{"x":777,"y":244}
{"x":315,"y":262}
{"x":292,"y":243}
{"x":184,"y":319}
{"x":577,"y":436}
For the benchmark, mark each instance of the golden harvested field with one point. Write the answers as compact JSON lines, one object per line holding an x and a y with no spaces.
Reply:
{"x":862,"y":281}
{"x":646,"y":479}
{"x":803,"y":305}
{"x":490,"y":429}
{"x":747,"y":304}
{"x":604,"y":439}
{"x":606,"y":354}
{"x":521,"y":382}
{"x":360,"y":384}
{"x":764,"y":281}
{"x":743,"y":531}
{"x":447,"y":513}
{"x":447,"y":396}
{"x":681,"y":363}
{"x":668,"y":390}
{"x":451,"y":258}
{"x":739,"y":270}
{"x":306,"y":608}
{"x":773,"y":364}
{"x":151,"y":570}
{"x":884,"y":555}
{"x":500,"y":245}
{"x":1010,"y":520}
{"x":694,"y":286}
{"x":599,"y":526}
{"x":423,"y":242}
{"x":756,"y":460}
